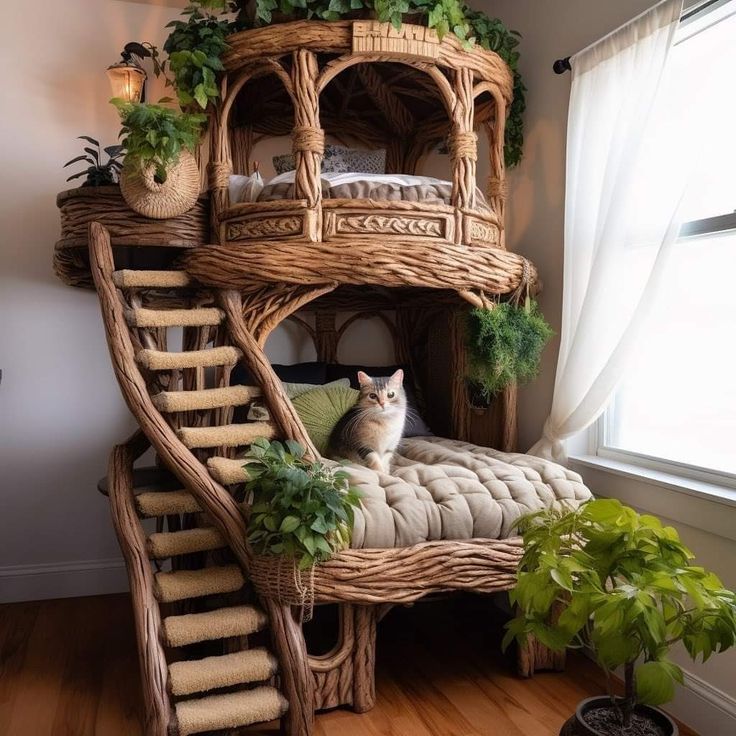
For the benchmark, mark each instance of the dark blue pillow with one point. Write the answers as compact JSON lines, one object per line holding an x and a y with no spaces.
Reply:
{"x":314,"y":372}
{"x":415,"y":426}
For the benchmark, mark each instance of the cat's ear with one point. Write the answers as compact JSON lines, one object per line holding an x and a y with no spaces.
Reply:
{"x":397,"y":379}
{"x":363,"y":379}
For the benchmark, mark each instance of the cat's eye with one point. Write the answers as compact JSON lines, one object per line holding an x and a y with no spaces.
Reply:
{"x":390,"y":394}
{"x":372,"y":396}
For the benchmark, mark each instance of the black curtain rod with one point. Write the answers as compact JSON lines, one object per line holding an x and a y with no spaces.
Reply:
{"x":563,"y":65}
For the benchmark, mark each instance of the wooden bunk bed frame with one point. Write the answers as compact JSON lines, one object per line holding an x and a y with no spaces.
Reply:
{"x":307,"y":259}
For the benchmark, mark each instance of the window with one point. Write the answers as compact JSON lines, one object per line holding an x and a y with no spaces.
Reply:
{"x":676,"y":405}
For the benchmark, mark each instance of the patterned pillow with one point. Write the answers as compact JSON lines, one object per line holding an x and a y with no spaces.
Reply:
{"x":340,"y":160}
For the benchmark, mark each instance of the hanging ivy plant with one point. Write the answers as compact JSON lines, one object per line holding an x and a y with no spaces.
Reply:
{"x":195,"y":46}
{"x":504,"y":345}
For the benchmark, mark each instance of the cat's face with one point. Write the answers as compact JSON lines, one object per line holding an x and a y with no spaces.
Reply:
{"x":382,"y":394}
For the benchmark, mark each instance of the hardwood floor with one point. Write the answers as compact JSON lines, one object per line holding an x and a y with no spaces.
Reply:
{"x":69,"y":668}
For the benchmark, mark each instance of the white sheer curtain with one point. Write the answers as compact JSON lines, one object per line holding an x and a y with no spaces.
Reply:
{"x":619,"y":224}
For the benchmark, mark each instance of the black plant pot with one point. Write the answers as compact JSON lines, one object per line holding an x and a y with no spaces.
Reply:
{"x":577,"y":726}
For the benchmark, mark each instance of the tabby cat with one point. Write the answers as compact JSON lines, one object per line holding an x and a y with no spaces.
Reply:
{"x":370,"y":432}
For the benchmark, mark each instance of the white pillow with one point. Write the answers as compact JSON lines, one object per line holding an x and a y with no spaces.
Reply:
{"x":245,"y":188}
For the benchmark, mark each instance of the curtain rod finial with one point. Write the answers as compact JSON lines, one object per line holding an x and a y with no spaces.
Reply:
{"x":562,"y":65}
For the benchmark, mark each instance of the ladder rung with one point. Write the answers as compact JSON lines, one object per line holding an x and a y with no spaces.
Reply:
{"x":196,"y":317}
{"x":208,"y":398}
{"x":227,"y":435}
{"x":170,"y":544}
{"x":161,"y":360}
{"x":129,"y":279}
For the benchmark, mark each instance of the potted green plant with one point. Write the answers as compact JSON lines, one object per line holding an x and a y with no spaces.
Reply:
{"x":626,"y":588}
{"x":504,"y":344}
{"x":301,"y":510}
{"x":160,"y":176}
{"x":98,"y":173}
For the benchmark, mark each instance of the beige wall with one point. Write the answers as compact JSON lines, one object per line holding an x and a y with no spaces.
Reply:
{"x":534,"y":219}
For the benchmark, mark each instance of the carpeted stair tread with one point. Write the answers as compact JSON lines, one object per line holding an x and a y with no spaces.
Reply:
{"x":221,"y":623}
{"x":170,"y":544}
{"x":231,"y":710}
{"x":162,"y":360}
{"x":208,"y":398}
{"x":226,"y":435}
{"x":183,"y":584}
{"x":129,"y":279}
{"x":153,"y":503}
{"x":195,"y":317}
{"x":226,"y":670}
{"x":227,"y":471}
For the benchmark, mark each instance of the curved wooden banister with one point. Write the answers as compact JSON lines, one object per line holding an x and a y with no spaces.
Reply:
{"x":214,"y":499}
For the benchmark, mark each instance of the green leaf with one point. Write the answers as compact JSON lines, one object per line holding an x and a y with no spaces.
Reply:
{"x":289,"y":524}
{"x":655,"y":683}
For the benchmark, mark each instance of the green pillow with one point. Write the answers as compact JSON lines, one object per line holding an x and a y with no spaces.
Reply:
{"x":321,"y":409}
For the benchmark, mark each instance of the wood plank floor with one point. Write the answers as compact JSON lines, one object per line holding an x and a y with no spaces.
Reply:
{"x":69,"y":668}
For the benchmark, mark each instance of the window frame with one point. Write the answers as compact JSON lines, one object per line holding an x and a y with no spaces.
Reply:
{"x":602,"y":430}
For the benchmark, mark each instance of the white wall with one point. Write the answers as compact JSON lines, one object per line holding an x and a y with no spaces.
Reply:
{"x":60,"y":407}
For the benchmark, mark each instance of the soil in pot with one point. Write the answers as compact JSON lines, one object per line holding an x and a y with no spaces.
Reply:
{"x":607,"y":720}
{"x":597,"y":717}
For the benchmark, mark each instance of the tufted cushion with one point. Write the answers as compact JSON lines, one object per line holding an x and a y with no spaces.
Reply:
{"x":446,"y":489}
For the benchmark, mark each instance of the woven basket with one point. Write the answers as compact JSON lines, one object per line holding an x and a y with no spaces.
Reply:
{"x":178,"y":194}
{"x":279,"y":579}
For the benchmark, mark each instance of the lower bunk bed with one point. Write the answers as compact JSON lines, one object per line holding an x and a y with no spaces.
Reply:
{"x":442,"y":520}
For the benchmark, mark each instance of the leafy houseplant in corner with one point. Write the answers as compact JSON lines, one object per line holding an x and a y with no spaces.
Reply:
{"x":98,"y":174}
{"x":160,"y":176}
{"x":301,"y":514}
{"x":626,"y":588}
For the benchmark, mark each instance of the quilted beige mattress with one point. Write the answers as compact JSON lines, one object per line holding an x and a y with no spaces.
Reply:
{"x":446,"y":489}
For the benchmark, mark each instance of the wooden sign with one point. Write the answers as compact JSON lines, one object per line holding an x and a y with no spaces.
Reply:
{"x":372,"y":37}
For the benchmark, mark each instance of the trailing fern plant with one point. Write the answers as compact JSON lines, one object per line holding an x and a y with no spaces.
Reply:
{"x":155,"y":134}
{"x":98,"y":174}
{"x":300,"y":509}
{"x":504,"y":345}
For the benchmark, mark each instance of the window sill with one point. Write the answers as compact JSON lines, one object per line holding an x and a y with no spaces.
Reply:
{"x":699,"y":504}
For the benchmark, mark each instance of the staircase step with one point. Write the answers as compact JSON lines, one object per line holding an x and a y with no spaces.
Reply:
{"x":128,"y":279}
{"x":154,"y":503}
{"x":183,"y":584}
{"x":162,"y":360}
{"x":231,"y":710}
{"x":212,"y":673}
{"x":195,"y":317}
{"x":227,"y":435}
{"x":227,"y":471}
{"x":221,"y":623}
{"x":170,"y":544}
{"x":208,"y":398}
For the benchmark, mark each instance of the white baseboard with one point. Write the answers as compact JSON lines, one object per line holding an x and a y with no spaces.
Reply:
{"x":706,"y":709}
{"x":62,"y":580}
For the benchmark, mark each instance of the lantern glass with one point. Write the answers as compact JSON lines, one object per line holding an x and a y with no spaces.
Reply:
{"x":126,"y":81}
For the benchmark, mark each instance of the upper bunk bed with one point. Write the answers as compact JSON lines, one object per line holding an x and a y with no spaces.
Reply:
{"x":369,"y":84}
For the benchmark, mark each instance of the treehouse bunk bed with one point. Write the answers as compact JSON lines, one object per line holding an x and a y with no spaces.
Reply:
{"x":443,"y":521}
